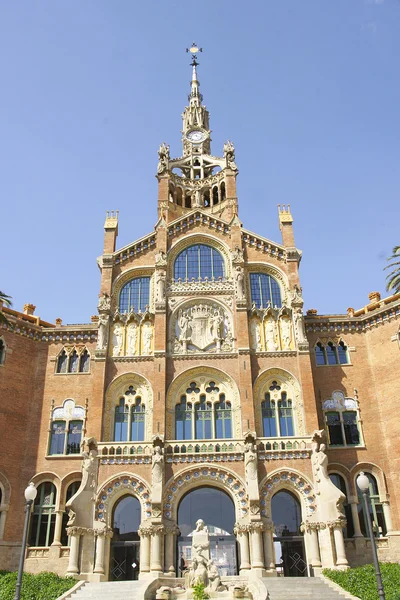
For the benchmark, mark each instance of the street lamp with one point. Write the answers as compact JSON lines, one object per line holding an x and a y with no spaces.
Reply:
{"x":30,"y":495}
{"x":363,"y":484}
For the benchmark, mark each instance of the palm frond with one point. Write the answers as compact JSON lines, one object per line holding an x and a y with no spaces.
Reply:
{"x":6,"y":300}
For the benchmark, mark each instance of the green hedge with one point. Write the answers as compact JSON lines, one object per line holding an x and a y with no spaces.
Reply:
{"x":361,"y":581}
{"x":44,"y":586}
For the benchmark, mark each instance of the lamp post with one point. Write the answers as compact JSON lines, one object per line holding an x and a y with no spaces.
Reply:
{"x":30,"y":495}
{"x":363,"y":484}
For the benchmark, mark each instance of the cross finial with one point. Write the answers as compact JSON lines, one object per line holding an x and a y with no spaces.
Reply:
{"x":194,"y":49}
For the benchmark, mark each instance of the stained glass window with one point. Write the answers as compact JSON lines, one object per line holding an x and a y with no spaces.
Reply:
{"x":198,"y":262}
{"x":264,"y":290}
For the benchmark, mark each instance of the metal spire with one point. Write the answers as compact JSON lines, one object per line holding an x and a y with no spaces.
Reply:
{"x":195,"y":93}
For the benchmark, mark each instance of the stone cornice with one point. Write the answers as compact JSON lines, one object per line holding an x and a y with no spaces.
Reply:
{"x":266,"y":246}
{"x":345,"y":324}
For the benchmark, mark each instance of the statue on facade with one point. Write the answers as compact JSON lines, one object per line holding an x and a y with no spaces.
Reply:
{"x":160,"y":283}
{"x":300,"y":327}
{"x":102,"y":335}
{"x":229,"y":154}
{"x":202,"y":569}
{"x":255,"y":335}
{"x":237,"y":256}
{"x":132,"y":339}
{"x":330,"y":498}
{"x":240,"y":283}
{"x":157,"y":474}
{"x":286,"y":333}
{"x":117,"y":339}
{"x":79,"y":505}
{"x":104,"y":304}
{"x":216,"y":322}
{"x":270,"y":335}
{"x":183,"y":326}
{"x":147,"y":337}
{"x":296,"y":297}
{"x":196,"y":199}
{"x":161,"y":259}
{"x":250,"y":465}
{"x":163,"y":158}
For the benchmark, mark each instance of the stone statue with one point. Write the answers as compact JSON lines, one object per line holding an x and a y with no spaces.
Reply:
{"x":237,"y":255}
{"x":102,"y":335}
{"x":147,"y":337}
{"x":163,"y":156}
{"x":132,"y":339}
{"x":286,"y":333}
{"x":203,"y":569}
{"x":270,"y":335}
{"x":183,"y":326}
{"x":214,"y":579}
{"x":255,"y":335}
{"x":229,"y":154}
{"x":196,"y":199}
{"x":216,"y":325}
{"x":250,"y":465}
{"x":201,"y":542}
{"x":160,"y":281}
{"x":104,"y":304}
{"x":161,"y":259}
{"x":117,"y":339}
{"x":300,"y":328}
{"x":240,"y":283}
{"x":157,"y":474}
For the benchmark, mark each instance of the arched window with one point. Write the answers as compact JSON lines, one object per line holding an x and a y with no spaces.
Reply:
{"x":62,"y":362}
{"x":340,"y":483}
{"x":342,"y":353}
{"x":264,"y":290}
{"x":208,"y":417}
{"x":135,"y":295}
{"x":129,"y":422}
{"x":73,"y":362}
{"x":375,"y":508}
{"x":2,"y":351}
{"x":342,"y":420}
{"x":84,"y":362}
{"x":44,"y":517}
{"x":331,"y":354}
{"x":66,"y":429}
{"x":71,"y":491}
{"x":320,"y":356}
{"x":198,"y":262}
{"x":277,"y":416}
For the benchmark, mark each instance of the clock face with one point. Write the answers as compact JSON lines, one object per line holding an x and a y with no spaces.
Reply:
{"x":196,"y":136}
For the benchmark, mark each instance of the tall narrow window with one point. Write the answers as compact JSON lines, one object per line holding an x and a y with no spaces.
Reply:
{"x":264,"y":290}
{"x":66,"y":429}
{"x":183,"y":420}
{"x":268,"y":417}
{"x":285,"y":415}
{"x":62,"y":362}
{"x":137,"y":421}
{"x":331,"y":354}
{"x":121,"y":422}
{"x":223,"y":418}
{"x":375,"y":508}
{"x":44,"y":517}
{"x":74,"y":437}
{"x":320,"y":355}
{"x":57,"y":442}
{"x":352,"y":435}
{"x":203,"y":419}
{"x":135,"y":295}
{"x":338,"y":480}
{"x":199,"y":262}
{"x":334,"y":429}
{"x":342,"y":353}
{"x":73,"y":362}
{"x":84,"y":362}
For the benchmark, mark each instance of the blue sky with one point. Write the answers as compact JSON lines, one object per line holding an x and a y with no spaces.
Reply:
{"x":309,"y":91}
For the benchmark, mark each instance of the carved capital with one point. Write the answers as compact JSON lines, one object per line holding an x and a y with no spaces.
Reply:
{"x":307,"y":527}
{"x":107,"y":532}
{"x":80,"y":531}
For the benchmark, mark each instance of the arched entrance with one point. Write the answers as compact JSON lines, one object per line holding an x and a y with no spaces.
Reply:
{"x":288,"y":540}
{"x":124,"y":563}
{"x":217,"y":510}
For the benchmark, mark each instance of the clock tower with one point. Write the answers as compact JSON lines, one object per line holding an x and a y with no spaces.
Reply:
{"x":197,"y":180}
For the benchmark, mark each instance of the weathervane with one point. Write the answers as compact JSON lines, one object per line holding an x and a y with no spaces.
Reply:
{"x":194,"y":49}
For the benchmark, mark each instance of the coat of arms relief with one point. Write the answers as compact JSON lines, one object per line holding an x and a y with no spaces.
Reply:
{"x":201,"y":327}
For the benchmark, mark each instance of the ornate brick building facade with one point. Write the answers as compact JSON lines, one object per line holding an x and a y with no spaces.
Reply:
{"x":200,"y":387}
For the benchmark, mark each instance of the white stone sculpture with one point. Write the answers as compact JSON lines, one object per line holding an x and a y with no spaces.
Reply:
{"x":132,"y":339}
{"x":202,"y":569}
{"x":329,"y":498}
{"x":160,"y":282}
{"x":157,"y":472}
{"x":237,"y":256}
{"x":255,"y":331}
{"x":147,"y":337}
{"x":286,"y":331}
{"x":229,"y":153}
{"x":216,"y":325}
{"x":203,"y":327}
{"x":80,"y":504}
{"x":270,"y":335}
{"x":163,"y":156}
{"x":117,"y":339}
{"x":161,"y":259}
{"x":250,"y":464}
{"x":183,"y":326}
{"x":102,"y":336}
{"x":104,"y":302}
{"x":300,"y":327}
{"x":196,"y":199}
{"x":241,"y":293}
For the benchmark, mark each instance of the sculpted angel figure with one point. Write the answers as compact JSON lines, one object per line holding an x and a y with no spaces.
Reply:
{"x":117,"y":339}
{"x":183,"y":326}
{"x":157,"y":464}
{"x":102,"y":336}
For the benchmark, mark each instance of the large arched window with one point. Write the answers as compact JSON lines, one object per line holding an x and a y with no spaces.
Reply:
{"x":135,"y":295}
{"x":277,"y":415}
{"x":198,"y":262}
{"x":207,"y":416}
{"x":375,"y":508}
{"x":66,"y":429}
{"x":265,"y":290}
{"x":340,"y":483}
{"x":129,"y":421}
{"x":342,"y":420}
{"x":44,"y":517}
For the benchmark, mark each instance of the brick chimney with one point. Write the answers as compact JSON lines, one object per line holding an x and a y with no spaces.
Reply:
{"x":29,"y":309}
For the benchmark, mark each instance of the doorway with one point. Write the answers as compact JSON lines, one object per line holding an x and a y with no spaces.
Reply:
{"x":217,"y":510}
{"x":290,"y":556}
{"x":125,"y":544}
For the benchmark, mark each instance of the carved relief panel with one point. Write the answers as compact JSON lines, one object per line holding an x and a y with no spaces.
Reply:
{"x":132,"y":335}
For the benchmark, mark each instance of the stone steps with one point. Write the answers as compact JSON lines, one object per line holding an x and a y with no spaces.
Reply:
{"x":110,"y":590}
{"x":302,"y":588}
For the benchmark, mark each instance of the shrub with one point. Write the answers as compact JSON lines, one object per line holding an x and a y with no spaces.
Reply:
{"x":199,"y":592}
{"x":361,"y":581}
{"x":43,"y":586}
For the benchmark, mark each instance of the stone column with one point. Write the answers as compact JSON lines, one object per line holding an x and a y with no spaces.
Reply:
{"x":145,"y":536}
{"x":269,"y":552}
{"x":341,"y":560}
{"x":243,"y":537}
{"x":170,"y":550}
{"x":156,"y":537}
{"x":3,"y":514}
{"x":257,"y":561}
{"x":312,"y":545}
{"x":386,"y":513}
{"x":101,"y":535}
{"x":75,"y":535}
{"x":57,"y":528}
{"x":356,"y":519}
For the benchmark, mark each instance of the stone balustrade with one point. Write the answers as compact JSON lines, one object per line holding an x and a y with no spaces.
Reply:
{"x":284,"y":448}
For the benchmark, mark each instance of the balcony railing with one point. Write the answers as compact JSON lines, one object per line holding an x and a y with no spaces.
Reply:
{"x":284,"y":447}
